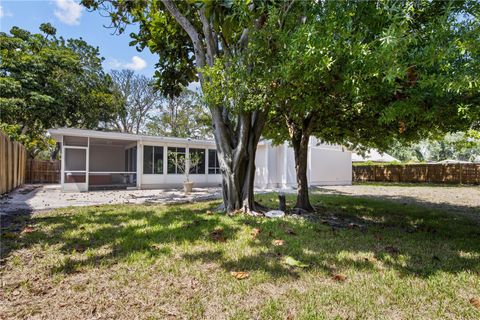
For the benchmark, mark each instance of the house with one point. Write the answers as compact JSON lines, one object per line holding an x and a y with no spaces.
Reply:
{"x":98,"y":160}
{"x":374,"y":156}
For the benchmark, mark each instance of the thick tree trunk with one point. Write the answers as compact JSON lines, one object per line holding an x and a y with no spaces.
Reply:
{"x":236,"y":153}
{"x":300,"y":148}
{"x":236,"y":140}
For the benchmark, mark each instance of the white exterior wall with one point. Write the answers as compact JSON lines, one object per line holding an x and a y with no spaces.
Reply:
{"x":327,"y":165}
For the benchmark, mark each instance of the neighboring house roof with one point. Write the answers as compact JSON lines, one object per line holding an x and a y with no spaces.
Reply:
{"x":374,"y":156}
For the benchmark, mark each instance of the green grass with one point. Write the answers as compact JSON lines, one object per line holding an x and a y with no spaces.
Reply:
{"x":158,"y":262}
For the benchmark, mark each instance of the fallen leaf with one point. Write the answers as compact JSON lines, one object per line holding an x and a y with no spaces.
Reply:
{"x":217,"y":235}
{"x":9,"y":235}
{"x":256,"y":232}
{"x":475,"y":302}
{"x":372,"y":259}
{"x":293,"y":262}
{"x":339,"y":277}
{"x":156,"y":246}
{"x":28,"y":230}
{"x":209,"y":212}
{"x":392,"y":250}
{"x":80,"y":248}
{"x":240,"y":275}
{"x":278,"y":242}
{"x":290,"y":315}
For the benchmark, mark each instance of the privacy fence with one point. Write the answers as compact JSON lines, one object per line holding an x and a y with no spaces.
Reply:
{"x":12,"y":164}
{"x":43,"y":171}
{"x":433,"y":173}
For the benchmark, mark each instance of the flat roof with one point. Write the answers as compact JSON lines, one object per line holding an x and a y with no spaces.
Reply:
{"x":74,"y":132}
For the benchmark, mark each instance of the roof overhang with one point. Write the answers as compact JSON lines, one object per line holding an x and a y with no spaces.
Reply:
{"x":57,"y":134}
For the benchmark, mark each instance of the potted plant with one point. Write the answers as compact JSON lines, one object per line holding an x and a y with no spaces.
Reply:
{"x":184,"y":162}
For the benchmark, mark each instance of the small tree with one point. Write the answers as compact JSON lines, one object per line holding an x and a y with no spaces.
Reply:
{"x":184,"y":162}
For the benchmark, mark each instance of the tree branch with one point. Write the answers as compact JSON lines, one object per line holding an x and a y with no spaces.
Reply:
{"x":191,"y":31}
{"x":208,"y":32}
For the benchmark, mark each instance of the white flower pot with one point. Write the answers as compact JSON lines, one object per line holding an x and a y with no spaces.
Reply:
{"x":188,"y":187}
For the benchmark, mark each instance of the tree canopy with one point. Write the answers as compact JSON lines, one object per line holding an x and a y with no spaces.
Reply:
{"x":138,"y":98}
{"x":367,"y":74}
{"x":183,"y":116}
{"x":47,"y":81}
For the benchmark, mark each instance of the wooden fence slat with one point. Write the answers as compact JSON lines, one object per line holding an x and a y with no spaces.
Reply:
{"x":468,"y":173}
{"x":43,"y":171}
{"x":12,"y":164}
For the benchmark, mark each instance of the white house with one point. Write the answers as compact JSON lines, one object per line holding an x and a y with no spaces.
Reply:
{"x":96,"y":160}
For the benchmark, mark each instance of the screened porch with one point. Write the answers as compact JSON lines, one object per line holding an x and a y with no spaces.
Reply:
{"x":96,"y":164}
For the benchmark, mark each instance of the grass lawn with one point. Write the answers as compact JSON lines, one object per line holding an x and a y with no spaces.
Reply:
{"x":175,"y":261}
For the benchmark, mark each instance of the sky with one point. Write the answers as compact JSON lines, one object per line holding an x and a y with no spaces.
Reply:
{"x":73,"y":21}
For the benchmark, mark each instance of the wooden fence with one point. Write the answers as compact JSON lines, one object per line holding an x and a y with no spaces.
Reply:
{"x":432,"y":173}
{"x":12,"y":164}
{"x":43,"y":171}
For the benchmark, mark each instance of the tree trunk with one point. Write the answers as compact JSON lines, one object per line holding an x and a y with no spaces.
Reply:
{"x":236,"y":140}
{"x":236,"y":154}
{"x":54,"y":153}
{"x":300,"y":147}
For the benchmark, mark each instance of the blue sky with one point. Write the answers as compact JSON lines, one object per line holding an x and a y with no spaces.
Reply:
{"x":74,"y":21}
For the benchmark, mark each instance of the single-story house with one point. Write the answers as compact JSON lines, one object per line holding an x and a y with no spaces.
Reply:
{"x":99,"y":160}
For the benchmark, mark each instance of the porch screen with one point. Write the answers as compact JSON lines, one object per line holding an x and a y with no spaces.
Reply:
{"x":213,"y":165}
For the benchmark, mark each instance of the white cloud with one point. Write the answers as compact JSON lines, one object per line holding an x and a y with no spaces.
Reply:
{"x":136,"y":64}
{"x":68,"y":11}
{"x":4,"y":13}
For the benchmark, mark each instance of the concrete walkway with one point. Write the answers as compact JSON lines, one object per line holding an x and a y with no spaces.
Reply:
{"x":31,"y":198}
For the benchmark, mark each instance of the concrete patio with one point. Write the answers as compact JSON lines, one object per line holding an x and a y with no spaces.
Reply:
{"x":31,"y":198}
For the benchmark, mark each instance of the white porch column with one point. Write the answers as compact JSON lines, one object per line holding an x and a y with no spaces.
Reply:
{"x":87,"y":173}
{"x":139,"y":163}
{"x":62,"y":167}
{"x":285,"y":166}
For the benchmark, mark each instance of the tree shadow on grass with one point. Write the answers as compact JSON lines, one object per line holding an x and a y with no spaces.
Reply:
{"x":107,"y":235}
{"x":414,"y":241}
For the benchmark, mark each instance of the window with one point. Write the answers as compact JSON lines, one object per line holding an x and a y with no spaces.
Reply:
{"x":152,"y":160}
{"x":175,"y":157}
{"x":147,"y":159}
{"x":200,"y":167}
{"x":213,"y":165}
{"x":158,"y":160}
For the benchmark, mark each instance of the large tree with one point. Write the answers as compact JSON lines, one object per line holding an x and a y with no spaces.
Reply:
{"x":138,"y":98}
{"x":366,"y":74}
{"x":47,"y":81}
{"x":191,"y":37}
